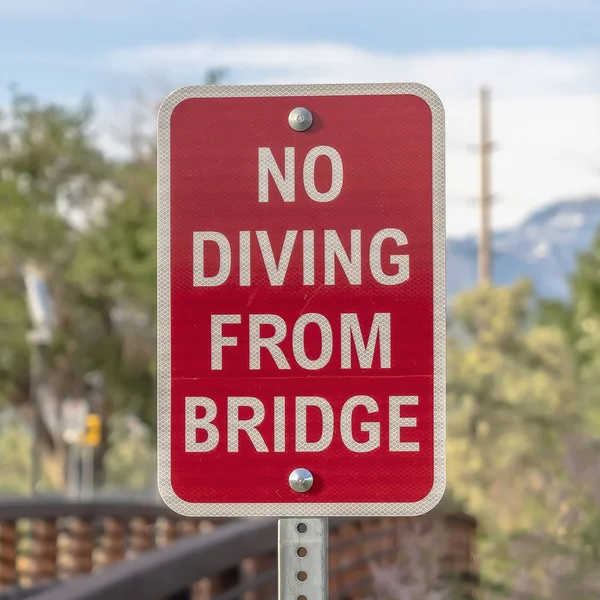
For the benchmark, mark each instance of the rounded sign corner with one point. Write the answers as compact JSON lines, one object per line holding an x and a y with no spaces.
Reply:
{"x":172,"y":101}
{"x":431,"y":98}
{"x":433,"y":498}
{"x":170,"y":499}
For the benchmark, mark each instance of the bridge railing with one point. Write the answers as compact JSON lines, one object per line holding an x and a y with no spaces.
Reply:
{"x":122,"y":550}
{"x":45,"y":540}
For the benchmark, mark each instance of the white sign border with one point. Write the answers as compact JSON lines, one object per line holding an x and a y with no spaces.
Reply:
{"x":304,"y":509}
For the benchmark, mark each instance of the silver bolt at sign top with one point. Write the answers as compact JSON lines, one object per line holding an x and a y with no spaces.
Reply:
{"x":301,"y":480}
{"x":300,"y":119}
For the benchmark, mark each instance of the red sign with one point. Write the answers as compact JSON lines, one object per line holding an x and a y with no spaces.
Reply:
{"x":301,"y":301}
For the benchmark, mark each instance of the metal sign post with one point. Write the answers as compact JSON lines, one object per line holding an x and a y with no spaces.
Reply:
{"x":301,"y":308}
{"x":87,"y":480}
{"x":73,"y":479}
{"x":73,"y":424}
{"x":303,"y":559}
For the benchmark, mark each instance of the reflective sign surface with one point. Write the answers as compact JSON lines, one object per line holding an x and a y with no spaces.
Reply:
{"x":301,"y":300}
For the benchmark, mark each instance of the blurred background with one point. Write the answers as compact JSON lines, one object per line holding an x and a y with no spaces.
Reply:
{"x":80,"y":83}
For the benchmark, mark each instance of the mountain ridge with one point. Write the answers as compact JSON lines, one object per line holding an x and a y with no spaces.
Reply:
{"x":543,"y":248}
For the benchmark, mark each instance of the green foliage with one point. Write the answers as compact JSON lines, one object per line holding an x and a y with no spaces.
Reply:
{"x":129,"y":462}
{"x":510,"y":390}
{"x":15,"y":457}
{"x":521,"y":452}
{"x":48,"y":165}
{"x":579,"y":320}
{"x":115,"y":271}
{"x":90,"y":225}
{"x":580,"y":317}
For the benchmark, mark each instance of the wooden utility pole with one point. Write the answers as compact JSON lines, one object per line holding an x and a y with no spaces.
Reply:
{"x":486,"y":146}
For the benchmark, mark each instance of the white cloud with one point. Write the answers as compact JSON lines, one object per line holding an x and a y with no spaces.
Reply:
{"x":546,"y":108}
{"x":339,"y":63}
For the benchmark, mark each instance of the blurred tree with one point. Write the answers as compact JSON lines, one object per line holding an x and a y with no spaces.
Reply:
{"x":129,"y":462}
{"x":50,"y":173}
{"x":89,"y":223}
{"x":215,"y":76}
{"x":579,"y":320}
{"x":520,"y":451}
{"x":131,"y":459}
{"x":511,"y":391}
{"x":15,"y":455}
{"x":579,"y":317}
{"x":115,"y":266}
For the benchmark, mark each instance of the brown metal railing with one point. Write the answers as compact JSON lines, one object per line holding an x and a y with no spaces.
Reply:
{"x":43,"y":541}
{"x":127,"y":549}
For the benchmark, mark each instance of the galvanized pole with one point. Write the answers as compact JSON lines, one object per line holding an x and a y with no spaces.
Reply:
{"x":303,"y":559}
{"x":88,"y":471}
{"x":73,"y":480}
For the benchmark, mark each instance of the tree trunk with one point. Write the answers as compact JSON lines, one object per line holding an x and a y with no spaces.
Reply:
{"x":53,"y":466}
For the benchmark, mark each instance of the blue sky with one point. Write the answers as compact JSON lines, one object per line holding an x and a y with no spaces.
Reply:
{"x":539,"y":55}
{"x":59,"y":47}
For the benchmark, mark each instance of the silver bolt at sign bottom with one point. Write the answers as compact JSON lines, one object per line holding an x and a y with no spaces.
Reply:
{"x":300,"y":119}
{"x":300,"y":480}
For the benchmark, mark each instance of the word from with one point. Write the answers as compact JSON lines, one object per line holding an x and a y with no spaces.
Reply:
{"x":350,"y":336}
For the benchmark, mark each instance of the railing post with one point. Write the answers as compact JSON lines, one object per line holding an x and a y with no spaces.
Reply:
{"x":8,"y":554}
{"x":81,"y":546}
{"x":114,"y":540}
{"x":206,"y":588}
{"x":350,"y":552}
{"x":44,"y":551}
{"x":334,"y":560}
{"x":459,"y":560}
{"x":188,"y":527}
{"x":142,"y":536}
{"x":253,"y":567}
{"x":390,"y":540}
{"x":367,"y":548}
{"x":168,"y":532}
